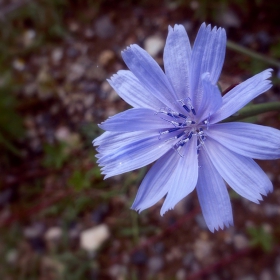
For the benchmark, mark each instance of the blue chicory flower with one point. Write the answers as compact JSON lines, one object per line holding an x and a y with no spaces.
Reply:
{"x":175,"y":122}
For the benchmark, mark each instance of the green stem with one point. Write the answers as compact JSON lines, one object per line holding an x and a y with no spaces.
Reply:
{"x":233,"y":46}
{"x":253,"y":110}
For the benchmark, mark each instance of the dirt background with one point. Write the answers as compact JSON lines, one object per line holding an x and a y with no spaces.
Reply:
{"x":58,"y":218}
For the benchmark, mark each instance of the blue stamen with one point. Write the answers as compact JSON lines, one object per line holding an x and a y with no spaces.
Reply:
{"x":169,"y":130}
{"x":193,"y":111}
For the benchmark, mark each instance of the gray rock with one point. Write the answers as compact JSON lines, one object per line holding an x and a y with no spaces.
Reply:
{"x":95,"y":72}
{"x":104,"y":27}
{"x":30,"y":89}
{"x":159,"y":248}
{"x":202,"y":249}
{"x":181,"y":274}
{"x":266,"y":275}
{"x":117,"y":271}
{"x":155,"y":264}
{"x":12,"y":256}
{"x":57,"y":55}
{"x":215,"y":277}
{"x":271,"y":210}
{"x":139,"y":257}
{"x":264,"y":38}
{"x":248,"y":277}
{"x":188,"y":259}
{"x":33,"y":231}
{"x":277,"y":267}
{"x":76,"y":72}
{"x":28,"y":37}
{"x":240,"y":241}
{"x":229,"y":19}
{"x":5,"y":196}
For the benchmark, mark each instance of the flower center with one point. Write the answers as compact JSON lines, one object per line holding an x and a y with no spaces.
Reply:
{"x":185,"y":126}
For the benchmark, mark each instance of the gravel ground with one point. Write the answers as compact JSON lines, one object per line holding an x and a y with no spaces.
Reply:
{"x":59,"y":219}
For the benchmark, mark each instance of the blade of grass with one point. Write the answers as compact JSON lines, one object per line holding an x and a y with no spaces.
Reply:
{"x":253,"y":110}
{"x":268,"y":60}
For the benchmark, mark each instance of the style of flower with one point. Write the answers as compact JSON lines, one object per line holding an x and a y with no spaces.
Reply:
{"x":175,"y":121}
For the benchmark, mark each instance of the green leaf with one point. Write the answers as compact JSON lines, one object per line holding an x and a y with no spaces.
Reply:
{"x":55,"y":155}
{"x":261,"y":238}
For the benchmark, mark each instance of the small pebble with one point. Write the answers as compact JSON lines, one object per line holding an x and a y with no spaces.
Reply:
{"x":117,"y":271}
{"x":105,"y":57}
{"x":266,"y":275}
{"x":153,"y":45}
{"x":33,"y":231}
{"x":28,"y":37}
{"x":57,"y":55}
{"x":277,"y":267}
{"x":229,"y":19}
{"x":100,"y":212}
{"x":104,"y":27}
{"x":159,"y":248}
{"x":181,"y":274}
{"x":202,"y":249}
{"x":139,"y":257}
{"x":96,"y":72}
{"x":19,"y":64}
{"x":271,"y":210}
{"x":12,"y":256}
{"x":76,"y":72}
{"x":248,"y":277}
{"x":188,"y":259}
{"x":53,"y":234}
{"x":240,"y":241}
{"x":155,"y":264}
{"x":91,"y":239}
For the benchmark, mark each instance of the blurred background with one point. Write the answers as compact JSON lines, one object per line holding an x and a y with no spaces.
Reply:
{"x":58,"y":218}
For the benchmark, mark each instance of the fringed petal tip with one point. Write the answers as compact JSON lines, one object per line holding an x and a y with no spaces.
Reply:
{"x":214,"y":29}
{"x":176,"y":27}
{"x":137,"y":207}
{"x":101,"y":124}
{"x":270,"y":190}
{"x":222,"y":226}
{"x":98,"y":140}
{"x":114,"y":77}
{"x":164,"y":210}
{"x":267,"y":73}
{"x":129,"y":48}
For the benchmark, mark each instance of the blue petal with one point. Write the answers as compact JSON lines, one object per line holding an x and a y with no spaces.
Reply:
{"x":211,"y":99}
{"x":213,"y":195}
{"x":110,"y":141}
{"x":134,"y":120}
{"x":176,"y":57}
{"x":184,"y":178}
{"x":149,"y":74}
{"x":242,"y":94}
{"x":154,"y":187}
{"x":134,"y":155}
{"x":133,"y":92}
{"x":250,"y":140}
{"x":207,"y":56}
{"x":241,"y":173}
